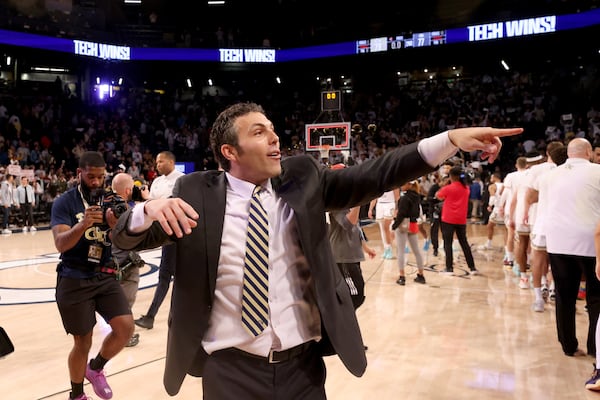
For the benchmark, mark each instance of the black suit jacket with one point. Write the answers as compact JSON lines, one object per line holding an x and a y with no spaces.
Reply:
{"x":310,"y":190}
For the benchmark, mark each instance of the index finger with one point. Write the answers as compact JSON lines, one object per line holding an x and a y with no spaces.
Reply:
{"x":501,"y":132}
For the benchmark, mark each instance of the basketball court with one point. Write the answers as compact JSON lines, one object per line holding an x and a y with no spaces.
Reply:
{"x":456,"y":337}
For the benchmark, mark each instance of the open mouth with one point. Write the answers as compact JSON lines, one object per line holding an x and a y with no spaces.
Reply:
{"x":275,"y":155}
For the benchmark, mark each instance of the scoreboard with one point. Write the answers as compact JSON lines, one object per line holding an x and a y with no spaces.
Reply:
{"x":392,"y":43}
{"x":373,"y":45}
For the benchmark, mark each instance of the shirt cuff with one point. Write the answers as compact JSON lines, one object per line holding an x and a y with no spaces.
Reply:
{"x":436,"y":149}
{"x":139,"y":221}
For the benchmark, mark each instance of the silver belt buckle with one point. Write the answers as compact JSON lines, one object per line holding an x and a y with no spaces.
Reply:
{"x":271,"y":361}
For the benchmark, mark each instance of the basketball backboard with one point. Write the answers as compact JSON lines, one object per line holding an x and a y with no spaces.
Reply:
{"x":334,"y":134}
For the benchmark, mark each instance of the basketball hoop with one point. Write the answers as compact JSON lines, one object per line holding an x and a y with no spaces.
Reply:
{"x":324,"y":151}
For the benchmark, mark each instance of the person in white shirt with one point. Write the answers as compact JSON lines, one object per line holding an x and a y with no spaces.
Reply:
{"x":571,"y":193}
{"x":26,"y":197}
{"x":510,"y":180}
{"x":496,"y":215}
{"x":8,"y":200}
{"x":517,"y":218}
{"x":162,"y":188}
{"x":556,"y":154}
{"x":385,"y":210}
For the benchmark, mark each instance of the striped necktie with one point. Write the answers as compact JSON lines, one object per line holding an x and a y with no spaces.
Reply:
{"x":255,"y":292}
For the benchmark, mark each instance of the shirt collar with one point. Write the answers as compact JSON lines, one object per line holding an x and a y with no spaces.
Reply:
{"x":245,"y":188}
{"x":577,"y":160}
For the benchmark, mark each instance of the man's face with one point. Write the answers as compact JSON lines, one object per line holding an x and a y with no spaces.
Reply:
{"x":257,"y":157}
{"x":596,"y":155}
{"x":445,"y":170}
{"x":164,"y":165}
{"x":92,"y":177}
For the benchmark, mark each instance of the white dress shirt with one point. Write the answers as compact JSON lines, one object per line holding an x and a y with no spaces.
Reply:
{"x":162,"y":186}
{"x":293,"y":315}
{"x":571,"y":194}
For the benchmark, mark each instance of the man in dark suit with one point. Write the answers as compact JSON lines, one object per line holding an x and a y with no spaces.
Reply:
{"x":310,"y":311}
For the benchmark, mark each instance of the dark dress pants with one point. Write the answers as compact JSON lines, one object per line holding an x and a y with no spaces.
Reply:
{"x":434,"y":233}
{"x":448,"y":231}
{"x":567,"y":271}
{"x":228,"y":375}
{"x":5,"y":216}
{"x":166,"y":271}
{"x":27,"y":214}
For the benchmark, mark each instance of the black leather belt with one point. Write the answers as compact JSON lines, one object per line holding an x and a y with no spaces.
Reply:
{"x":274,"y":356}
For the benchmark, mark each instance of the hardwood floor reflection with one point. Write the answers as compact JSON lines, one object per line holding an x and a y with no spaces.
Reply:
{"x":456,"y":337}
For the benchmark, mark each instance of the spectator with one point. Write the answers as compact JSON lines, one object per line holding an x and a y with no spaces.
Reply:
{"x":26,"y":197}
{"x":8,"y":200}
{"x":454,"y":218}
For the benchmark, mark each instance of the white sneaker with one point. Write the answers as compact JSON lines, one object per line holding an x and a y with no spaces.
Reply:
{"x":24,"y":229}
{"x":545,"y":293}
{"x":6,"y":231}
{"x":538,"y":306}
{"x":524,"y":283}
{"x":32,"y":229}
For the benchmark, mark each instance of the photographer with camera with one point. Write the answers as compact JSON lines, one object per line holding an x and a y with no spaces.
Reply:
{"x":128,"y":262}
{"x":81,"y":221}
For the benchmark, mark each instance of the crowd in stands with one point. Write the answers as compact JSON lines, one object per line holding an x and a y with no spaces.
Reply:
{"x":46,"y":133}
{"x":292,"y":23}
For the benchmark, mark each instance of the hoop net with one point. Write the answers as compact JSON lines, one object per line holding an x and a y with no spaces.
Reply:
{"x":324,"y":151}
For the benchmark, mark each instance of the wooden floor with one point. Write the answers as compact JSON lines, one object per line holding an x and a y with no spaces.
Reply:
{"x":457,"y":337}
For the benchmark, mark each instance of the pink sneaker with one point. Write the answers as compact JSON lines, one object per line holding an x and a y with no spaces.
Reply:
{"x":98,"y":381}
{"x":82,"y":396}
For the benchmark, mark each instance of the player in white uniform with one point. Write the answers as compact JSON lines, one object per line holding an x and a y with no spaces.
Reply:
{"x":385,"y":211}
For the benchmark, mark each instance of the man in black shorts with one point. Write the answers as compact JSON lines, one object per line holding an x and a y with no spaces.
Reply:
{"x":86,"y":281}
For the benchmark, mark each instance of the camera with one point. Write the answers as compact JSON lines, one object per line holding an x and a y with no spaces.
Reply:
{"x":133,"y":260}
{"x":136,"y":193}
{"x":109,"y":200}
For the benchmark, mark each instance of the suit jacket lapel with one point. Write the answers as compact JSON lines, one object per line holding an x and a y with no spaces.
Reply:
{"x":214,"y":214}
